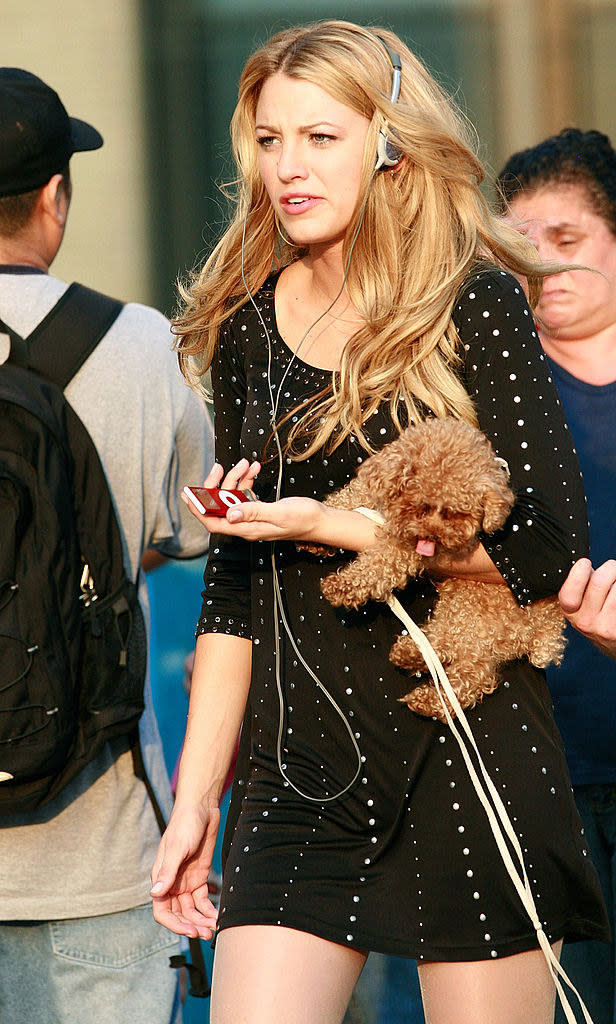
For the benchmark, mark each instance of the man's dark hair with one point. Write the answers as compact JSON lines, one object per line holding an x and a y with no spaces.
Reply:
{"x":572,"y":157}
{"x":16,"y":211}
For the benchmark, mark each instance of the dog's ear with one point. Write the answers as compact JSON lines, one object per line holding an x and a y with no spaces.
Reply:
{"x":382,"y":472}
{"x":497,"y":506}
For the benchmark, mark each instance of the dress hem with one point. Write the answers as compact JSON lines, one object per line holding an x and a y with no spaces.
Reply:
{"x":575,"y":929}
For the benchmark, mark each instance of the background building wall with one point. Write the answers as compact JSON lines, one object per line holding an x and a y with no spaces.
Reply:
{"x":91,"y":54}
{"x":159,"y":79}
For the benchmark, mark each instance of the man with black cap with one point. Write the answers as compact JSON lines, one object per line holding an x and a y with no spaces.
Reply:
{"x":77,"y":938}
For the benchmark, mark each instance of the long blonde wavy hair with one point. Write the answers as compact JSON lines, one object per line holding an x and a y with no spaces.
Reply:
{"x":420,"y":233}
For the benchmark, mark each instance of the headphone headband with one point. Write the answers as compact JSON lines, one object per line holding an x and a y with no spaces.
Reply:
{"x":387,"y":153}
{"x":396,"y":64}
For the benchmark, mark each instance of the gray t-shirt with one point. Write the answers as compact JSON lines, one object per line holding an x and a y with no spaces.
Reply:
{"x":90,"y":851}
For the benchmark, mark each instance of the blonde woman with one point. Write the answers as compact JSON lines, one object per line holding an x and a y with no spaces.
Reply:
{"x":363,"y":283}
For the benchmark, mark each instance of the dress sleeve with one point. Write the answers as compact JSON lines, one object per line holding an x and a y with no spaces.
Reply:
{"x":226,"y":594}
{"x":517,"y":405}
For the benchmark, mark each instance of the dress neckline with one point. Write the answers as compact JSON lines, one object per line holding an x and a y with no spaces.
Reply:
{"x":269,"y":291}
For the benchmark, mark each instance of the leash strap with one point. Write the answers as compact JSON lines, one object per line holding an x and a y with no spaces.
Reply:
{"x":488,"y":795}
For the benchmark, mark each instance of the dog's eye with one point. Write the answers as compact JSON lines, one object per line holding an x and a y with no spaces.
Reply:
{"x":426,"y":510}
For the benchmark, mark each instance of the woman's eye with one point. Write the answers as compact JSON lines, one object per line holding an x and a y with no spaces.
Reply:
{"x":321,"y":138}
{"x":266,"y":141}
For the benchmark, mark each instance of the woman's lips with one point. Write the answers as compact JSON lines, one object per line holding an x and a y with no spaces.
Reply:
{"x":298,"y":204}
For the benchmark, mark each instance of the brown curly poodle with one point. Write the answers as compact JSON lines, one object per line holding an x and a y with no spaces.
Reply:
{"x":438,"y":485}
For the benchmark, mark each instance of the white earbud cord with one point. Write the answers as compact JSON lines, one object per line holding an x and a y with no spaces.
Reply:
{"x":496,"y":812}
{"x":279,"y":613}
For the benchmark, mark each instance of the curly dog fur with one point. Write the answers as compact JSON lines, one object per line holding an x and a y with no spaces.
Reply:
{"x":440,"y":481}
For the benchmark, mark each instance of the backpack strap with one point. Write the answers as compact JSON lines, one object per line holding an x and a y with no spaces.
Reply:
{"x":18,"y":351}
{"x":64,"y":339}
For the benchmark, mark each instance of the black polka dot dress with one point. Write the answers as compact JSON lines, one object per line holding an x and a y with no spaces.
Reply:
{"x":364,"y":828}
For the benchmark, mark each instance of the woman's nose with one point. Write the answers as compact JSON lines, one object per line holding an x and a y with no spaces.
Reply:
{"x":291,"y":165}
{"x":546,"y":249}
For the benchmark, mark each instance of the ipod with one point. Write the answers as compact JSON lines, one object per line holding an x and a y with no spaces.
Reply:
{"x":214,"y":501}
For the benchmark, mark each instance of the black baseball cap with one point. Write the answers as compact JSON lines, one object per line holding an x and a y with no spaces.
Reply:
{"x":37,"y":137}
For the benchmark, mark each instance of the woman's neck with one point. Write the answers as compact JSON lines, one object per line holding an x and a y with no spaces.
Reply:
{"x":314,"y":313}
{"x":592,"y":360}
{"x":322,"y":274}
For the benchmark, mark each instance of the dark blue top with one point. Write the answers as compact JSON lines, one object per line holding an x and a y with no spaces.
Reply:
{"x":584,"y":686}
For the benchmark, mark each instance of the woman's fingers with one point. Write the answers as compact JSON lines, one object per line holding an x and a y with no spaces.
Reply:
{"x":196,"y":909}
{"x":214,"y":476}
{"x":242,"y":476}
{"x":165,"y":914}
{"x":572,"y":591}
{"x":586,"y":590}
{"x":187,"y":911}
{"x":588,"y":599}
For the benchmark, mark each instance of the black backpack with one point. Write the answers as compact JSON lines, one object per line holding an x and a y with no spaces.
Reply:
{"x":72,"y":634}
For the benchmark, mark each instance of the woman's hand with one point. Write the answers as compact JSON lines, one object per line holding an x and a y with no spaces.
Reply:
{"x":180,"y":872}
{"x":294,"y":518}
{"x":287,"y":519}
{"x":588,"y":599}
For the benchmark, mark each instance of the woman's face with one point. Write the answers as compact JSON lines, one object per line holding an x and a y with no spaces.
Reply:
{"x":310,"y":157}
{"x":561,"y":222}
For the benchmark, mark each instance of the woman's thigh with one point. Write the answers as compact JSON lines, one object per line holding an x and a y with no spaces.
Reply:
{"x":512,"y":990}
{"x":264,"y":974}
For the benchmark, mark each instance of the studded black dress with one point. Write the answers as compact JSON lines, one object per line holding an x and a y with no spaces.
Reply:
{"x":404,"y":861}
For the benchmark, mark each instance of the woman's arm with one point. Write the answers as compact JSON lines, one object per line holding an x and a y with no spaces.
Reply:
{"x":307,"y":520}
{"x":219,"y":690}
{"x":517,"y":405}
{"x":220,"y":684}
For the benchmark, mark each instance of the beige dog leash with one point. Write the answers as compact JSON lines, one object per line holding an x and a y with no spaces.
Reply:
{"x":496,"y":812}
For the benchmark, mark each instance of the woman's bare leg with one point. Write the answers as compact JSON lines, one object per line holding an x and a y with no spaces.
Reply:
{"x":264,"y":974}
{"x":512,"y":990}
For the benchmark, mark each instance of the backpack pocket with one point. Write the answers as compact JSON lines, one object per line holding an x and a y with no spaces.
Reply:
{"x":114,"y":662}
{"x":36,"y":731}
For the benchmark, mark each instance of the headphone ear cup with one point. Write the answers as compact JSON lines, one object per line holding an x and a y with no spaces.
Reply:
{"x":387,"y":154}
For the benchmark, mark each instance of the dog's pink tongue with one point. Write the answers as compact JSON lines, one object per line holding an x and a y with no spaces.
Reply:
{"x":425,"y":547}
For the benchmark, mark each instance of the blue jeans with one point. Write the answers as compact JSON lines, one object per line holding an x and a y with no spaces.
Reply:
{"x":592,"y":965}
{"x":103,"y":970}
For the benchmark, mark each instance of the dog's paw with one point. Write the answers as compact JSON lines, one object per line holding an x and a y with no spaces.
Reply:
{"x":340,"y":591}
{"x":406,"y":654}
{"x":320,"y":550}
{"x":424,"y":700}
{"x":350,"y":587}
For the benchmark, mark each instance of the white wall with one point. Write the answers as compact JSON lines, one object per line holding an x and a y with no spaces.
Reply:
{"x":89,"y":52}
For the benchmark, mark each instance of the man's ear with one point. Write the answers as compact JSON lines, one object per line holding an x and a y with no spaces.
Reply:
{"x":54,"y":200}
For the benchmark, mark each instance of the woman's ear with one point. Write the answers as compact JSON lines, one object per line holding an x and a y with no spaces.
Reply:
{"x":397,"y":167}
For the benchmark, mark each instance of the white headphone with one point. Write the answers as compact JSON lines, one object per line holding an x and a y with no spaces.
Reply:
{"x":387,"y":153}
